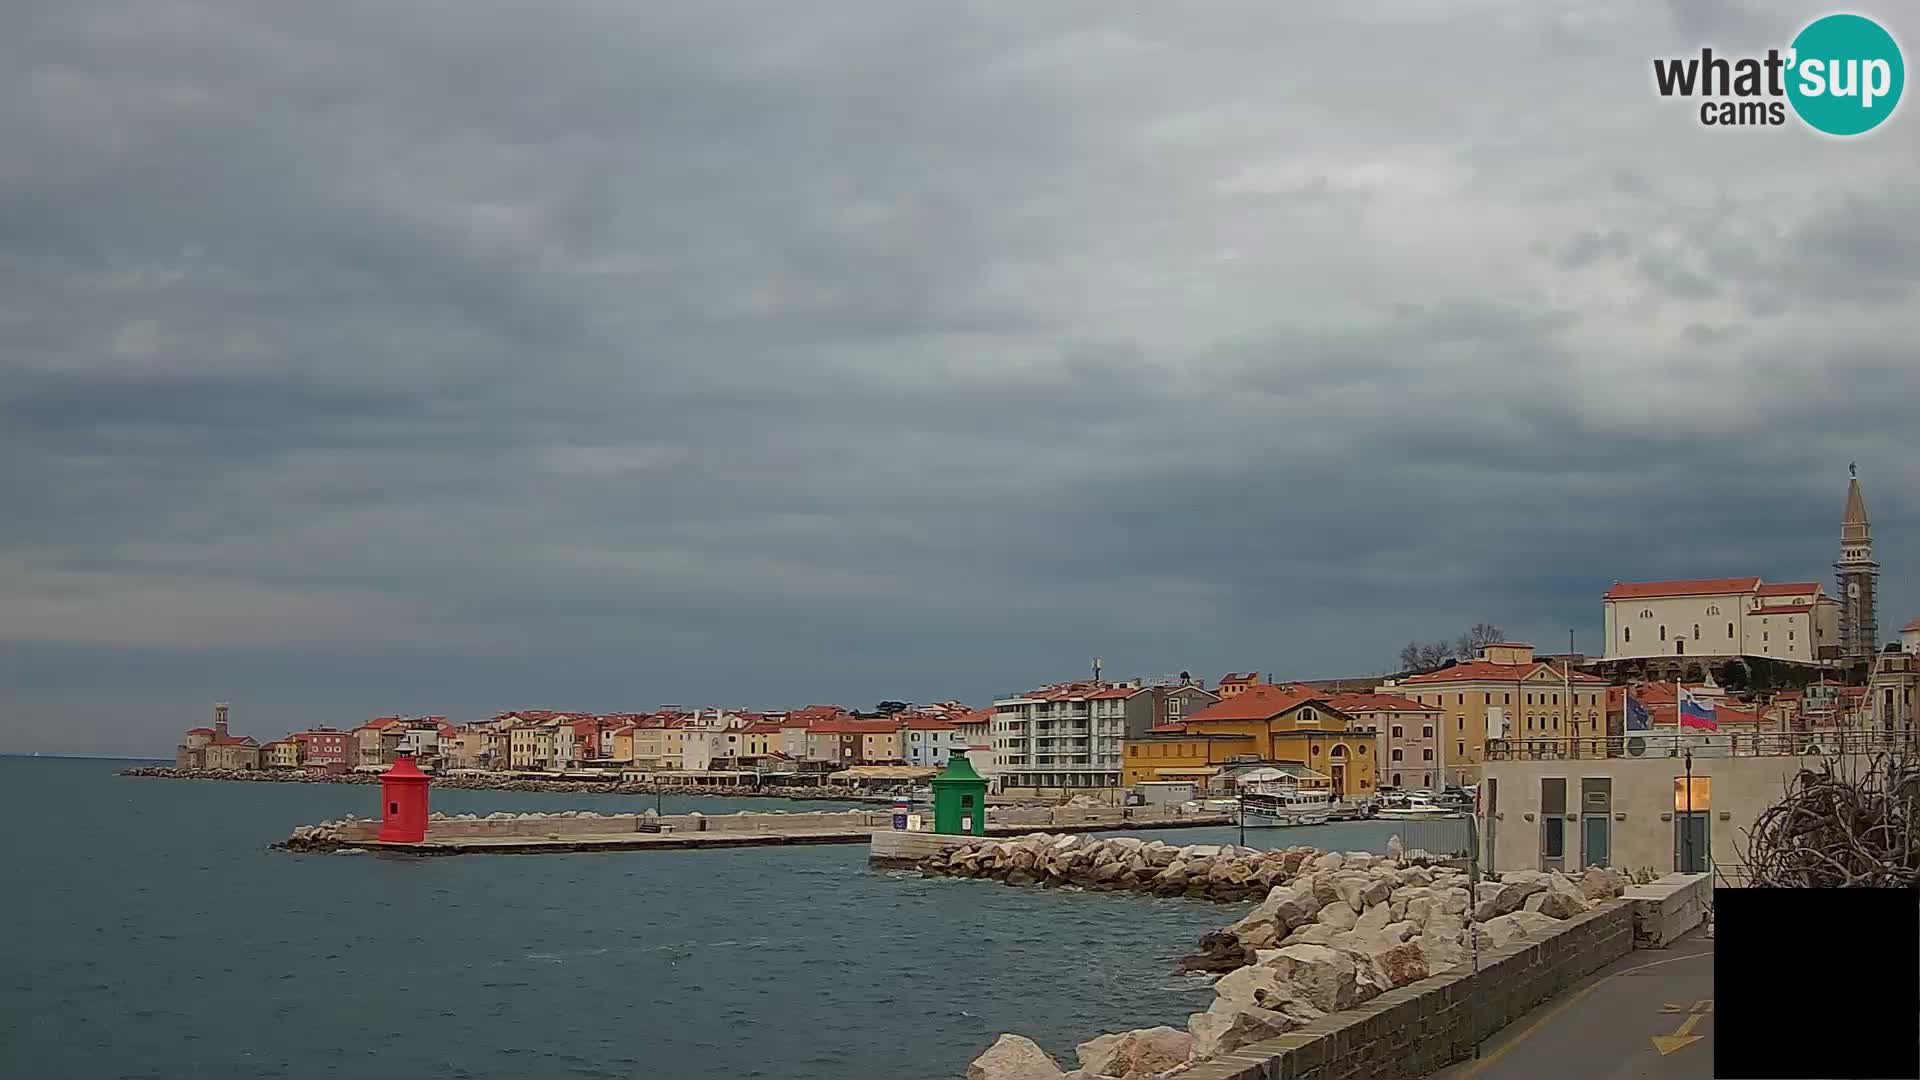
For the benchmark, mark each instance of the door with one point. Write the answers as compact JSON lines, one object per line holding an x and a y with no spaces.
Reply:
{"x":1691,"y":849}
{"x":1553,"y":823}
{"x":1596,"y":840}
{"x":1596,"y":824}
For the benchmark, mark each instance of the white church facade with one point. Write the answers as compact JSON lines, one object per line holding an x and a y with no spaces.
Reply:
{"x":1721,"y":617}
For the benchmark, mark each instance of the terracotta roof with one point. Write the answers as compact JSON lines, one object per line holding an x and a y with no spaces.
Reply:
{"x":233,"y":740}
{"x":1789,"y":588}
{"x":200,"y":731}
{"x":975,"y":716}
{"x":1506,"y":645}
{"x":929,"y":723}
{"x":763,"y":729}
{"x":1645,"y":590}
{"x":1351,"y":703}
{"x":854,"y":727}
{"x":1258,"y":702}
{"x":1171,"y":727}
{"x":1910,"y":627}
{"x":1488,"y":671}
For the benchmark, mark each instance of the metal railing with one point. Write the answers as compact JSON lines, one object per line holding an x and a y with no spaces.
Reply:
{"x":1818,"y":742}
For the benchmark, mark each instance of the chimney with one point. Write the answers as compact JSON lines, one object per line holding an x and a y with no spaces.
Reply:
{"x":220,"y":719}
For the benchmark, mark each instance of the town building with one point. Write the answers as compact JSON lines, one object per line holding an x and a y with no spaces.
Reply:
{"x":280,"y":754}
{"x":1265,"y":724}
{"x":1858,"y":577}
{"x":1665,"y":809}
{"x":1910,"y":638}
{"x":215,"y":748}
{"x":929,"y":741}
{"x":1505,"y":693}
{"x":324,"y":748}
{"x":1720,"y":618}
{"x":1233,"y":685}
{"x":1407,"y":745}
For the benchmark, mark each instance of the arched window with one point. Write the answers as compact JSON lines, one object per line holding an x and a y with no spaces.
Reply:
{"x":1339,"y":751}
{"x":1713,"y":609}
{"x":1628,"y":631}
{"x":1663,"y":631}
{"x":1696,"y":631}
{"x":1729,"y":631}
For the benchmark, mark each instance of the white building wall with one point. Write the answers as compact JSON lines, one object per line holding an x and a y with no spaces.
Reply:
{"x":1641,"y":629}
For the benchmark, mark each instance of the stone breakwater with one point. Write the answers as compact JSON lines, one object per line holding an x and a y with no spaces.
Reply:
{"x":1334,"y":930}
{"x":482,"y":782}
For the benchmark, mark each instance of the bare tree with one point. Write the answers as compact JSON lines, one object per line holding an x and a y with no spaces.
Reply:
{"x":1478,"y":636}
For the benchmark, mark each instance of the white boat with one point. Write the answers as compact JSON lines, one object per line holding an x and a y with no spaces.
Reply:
{"x":1273,"y":804}
{"x":1413,"y":806}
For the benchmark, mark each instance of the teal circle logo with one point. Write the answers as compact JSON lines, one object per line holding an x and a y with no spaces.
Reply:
{"x":1845,"y":75}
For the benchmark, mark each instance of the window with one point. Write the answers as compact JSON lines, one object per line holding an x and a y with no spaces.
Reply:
{"x":1396,"y":779}
{"x":1763,"y":635}
{"x":1460,"y":723}
{"x":1427,"y":732}
{"x":1427,"y":754}
{"x":1363,"y":749}
{"x":1646,"y":613}
{"x":1696,"y":631}
{"x":1663,"y":631}
{"x":1396,"y":731}
{"x":1489,"y":700}
{"x":1789,"y":635}
{"x":1529,"y":699}
{"x":1529,"y":723}
{"x":1395,"y":755}
{"x":1713,"y":609}
{"x":1628,"y":631}
{"x":1556,"y":699}
{"x":1459,"y":749}
{"x":1462,"y":699}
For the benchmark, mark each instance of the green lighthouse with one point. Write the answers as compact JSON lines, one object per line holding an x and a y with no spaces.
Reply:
{"x":960,"y":798}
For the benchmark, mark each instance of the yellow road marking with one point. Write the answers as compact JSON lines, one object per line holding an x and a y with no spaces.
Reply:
{"x":1474,"y":1069}
{"x":1670,"y":1007}
{"x":1703,"y":1005}
{"x":1680,"y":1039}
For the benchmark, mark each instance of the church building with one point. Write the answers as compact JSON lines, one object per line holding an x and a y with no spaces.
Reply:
{"x":1722,"y":618}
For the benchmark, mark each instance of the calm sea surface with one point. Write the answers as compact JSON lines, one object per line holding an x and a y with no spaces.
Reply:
{"x":150,"y":933}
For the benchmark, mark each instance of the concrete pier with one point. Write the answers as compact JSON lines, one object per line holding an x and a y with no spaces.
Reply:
{"x":554,"y":833}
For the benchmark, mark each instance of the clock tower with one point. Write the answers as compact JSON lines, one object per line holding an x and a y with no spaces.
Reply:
{"x":1857,"y":574}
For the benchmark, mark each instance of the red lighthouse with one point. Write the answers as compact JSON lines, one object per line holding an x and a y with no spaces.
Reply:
{"x":403,"y":802}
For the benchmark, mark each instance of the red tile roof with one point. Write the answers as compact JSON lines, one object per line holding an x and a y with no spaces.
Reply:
{"x":1261,"y":701}
{"x":233,"y":740}
{"x":763,"y":729}
{"x":1910,"y":627}
{"x":1232,"y":678}
{"x":1645,"y":590}
{"x":1789,"y":588}
{"x":928,"y":723}
{"x":854,"y":727}
{"x":1351,"y":703}
{"x":1488,"y":671}
{"x":200,"y":731}
{"x":1171,"y":727}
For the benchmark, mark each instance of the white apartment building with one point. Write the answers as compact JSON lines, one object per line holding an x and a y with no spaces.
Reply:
{"x":1060,"y":738}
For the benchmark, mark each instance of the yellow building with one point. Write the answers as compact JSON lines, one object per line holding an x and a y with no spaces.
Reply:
{"x":1506,"y":690}
{"x":623,"y":744}
{"x":880,"y":747}
{"x":662,"y":747}
{"x":761,"y":739}
{"x":1261,"y":723}
{"x":281,"y":754}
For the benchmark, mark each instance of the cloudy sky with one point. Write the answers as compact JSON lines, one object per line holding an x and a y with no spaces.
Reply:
{"x":362,"y":357}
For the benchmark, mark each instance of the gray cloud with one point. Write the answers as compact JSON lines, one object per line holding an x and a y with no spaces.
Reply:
{"x":454,"y":357}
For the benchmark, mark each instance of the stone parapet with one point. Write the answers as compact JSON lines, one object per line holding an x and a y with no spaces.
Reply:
{"x":1425,"y":1026}
{"x":1665,"y":909}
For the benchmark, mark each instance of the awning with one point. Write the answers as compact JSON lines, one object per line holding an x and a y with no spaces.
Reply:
{"x":885,"y":772}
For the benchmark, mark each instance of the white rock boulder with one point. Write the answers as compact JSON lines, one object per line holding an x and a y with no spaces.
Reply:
{"x":1013,"y":1057}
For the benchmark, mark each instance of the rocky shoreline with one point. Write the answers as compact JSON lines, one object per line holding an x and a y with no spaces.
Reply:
{"x":1334,"y":930}
{"x":824,"y":792}
{"x":333,"y":835}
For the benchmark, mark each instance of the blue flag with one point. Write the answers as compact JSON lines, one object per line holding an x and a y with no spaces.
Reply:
{"x":1638,"y":719}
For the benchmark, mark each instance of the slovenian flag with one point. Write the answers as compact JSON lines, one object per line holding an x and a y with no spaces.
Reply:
{"x":1638,"y":719}
{"x":1696,"y":713}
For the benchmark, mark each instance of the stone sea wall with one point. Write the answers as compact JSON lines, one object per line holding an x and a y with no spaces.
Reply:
{"x":493,"y":782}
{"x":1332,"y":932}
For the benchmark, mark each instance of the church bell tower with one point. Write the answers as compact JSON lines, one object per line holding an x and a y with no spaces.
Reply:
{"x":1857,"y":575}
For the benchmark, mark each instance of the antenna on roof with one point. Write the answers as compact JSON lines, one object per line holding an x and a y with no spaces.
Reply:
{"x":1096,"y":669}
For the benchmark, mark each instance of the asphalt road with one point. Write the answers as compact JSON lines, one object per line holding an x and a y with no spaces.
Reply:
{"x":1649,"y":1016}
